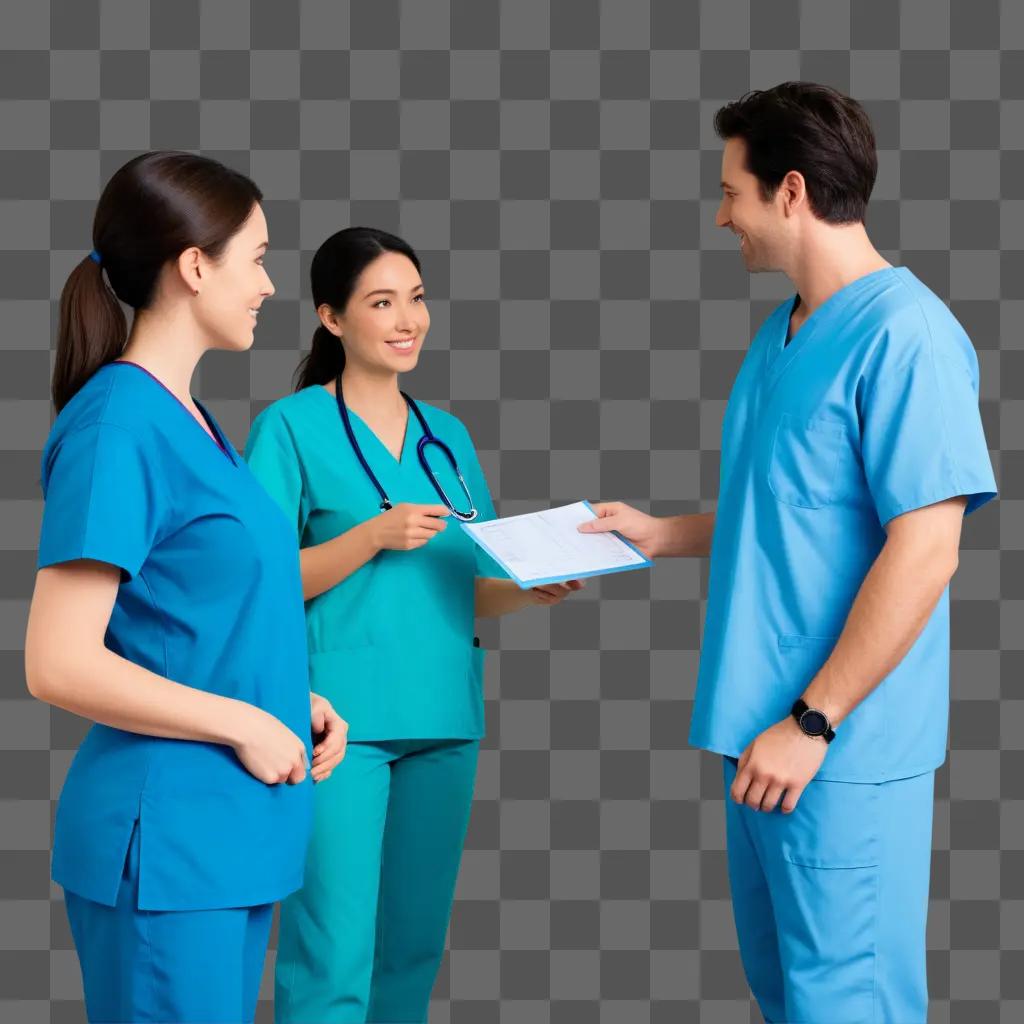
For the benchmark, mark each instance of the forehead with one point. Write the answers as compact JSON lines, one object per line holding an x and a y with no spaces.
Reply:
{"x":254,"y":227}
{"x":734,"y":161}
{"x":390,"y":270}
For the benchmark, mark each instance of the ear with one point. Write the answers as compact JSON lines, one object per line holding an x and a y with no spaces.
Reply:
{"x":190,"y":268}
{"x":793,"y":191}
{"x":329,"y":318}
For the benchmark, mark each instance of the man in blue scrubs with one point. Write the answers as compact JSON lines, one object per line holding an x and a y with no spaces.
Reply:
{"x":852,"y":448}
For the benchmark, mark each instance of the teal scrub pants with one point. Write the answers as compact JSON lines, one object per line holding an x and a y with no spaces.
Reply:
{"x":831,"y":901}
{"x":363,"y":939}
{"x":185,"y":966}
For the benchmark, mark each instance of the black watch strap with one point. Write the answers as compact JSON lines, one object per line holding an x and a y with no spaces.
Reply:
{"x":812,"y":721}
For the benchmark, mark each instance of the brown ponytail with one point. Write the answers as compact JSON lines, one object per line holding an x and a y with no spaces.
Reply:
{"x":154,"y":208}
{"x":92,"y":330}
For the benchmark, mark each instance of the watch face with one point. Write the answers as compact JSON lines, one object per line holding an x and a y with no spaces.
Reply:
{"x":814,"y":723}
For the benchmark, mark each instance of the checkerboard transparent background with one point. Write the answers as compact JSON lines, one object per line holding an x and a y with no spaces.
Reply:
{"x":555,"y":164}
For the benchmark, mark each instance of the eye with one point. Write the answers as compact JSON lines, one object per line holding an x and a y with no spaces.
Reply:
{"x":381,"y":303}
{"x":419,"y":298}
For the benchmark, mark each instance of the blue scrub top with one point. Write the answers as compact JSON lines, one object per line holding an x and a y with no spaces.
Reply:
{"x":391,"y":646}
{"x":870,"y":411}
{"x":211,"y":597}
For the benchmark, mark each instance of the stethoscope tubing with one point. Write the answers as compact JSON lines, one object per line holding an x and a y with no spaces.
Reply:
{"x":428,"y":438}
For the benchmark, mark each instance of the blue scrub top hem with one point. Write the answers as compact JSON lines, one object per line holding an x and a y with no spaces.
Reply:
{"x":224,"y":900}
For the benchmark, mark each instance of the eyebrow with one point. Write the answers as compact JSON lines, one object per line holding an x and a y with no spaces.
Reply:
{"x":391,"y":291}
{"x":726,"y":184}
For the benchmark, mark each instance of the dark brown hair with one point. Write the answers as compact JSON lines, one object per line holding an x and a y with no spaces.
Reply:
{"x":813,"y":129}
{"x":152,"y":209}
{"x":336,"y":267}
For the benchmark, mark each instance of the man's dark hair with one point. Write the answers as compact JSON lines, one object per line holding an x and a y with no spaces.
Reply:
{"x":813,"y":129}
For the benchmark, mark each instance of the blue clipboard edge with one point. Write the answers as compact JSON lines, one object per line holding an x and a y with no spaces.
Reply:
{"x":527,"y":584}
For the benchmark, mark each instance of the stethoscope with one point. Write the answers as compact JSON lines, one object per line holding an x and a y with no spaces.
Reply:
{"x":428,"y":438}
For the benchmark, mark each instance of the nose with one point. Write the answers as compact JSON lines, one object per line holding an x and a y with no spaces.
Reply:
{"x":269,"y":288}
{"x":721,"y":218}
{"x":405,"y":319}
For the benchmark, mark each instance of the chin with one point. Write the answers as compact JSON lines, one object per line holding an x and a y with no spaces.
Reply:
{"x":403,"y":364}
{"x":241,"y":342}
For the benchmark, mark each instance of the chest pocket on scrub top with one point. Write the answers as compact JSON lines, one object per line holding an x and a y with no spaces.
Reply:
{"x":804,"y":461}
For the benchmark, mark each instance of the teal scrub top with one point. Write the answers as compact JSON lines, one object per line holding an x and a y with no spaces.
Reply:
{"x":211,"y":597}
{"x":870,"y":411}
{"x":391,"y":645}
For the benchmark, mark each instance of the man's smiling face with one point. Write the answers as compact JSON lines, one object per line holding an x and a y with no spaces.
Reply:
{"x":758,"y":224}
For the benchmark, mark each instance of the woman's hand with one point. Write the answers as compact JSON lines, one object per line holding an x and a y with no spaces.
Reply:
{"x":555,"y":593}
{"x":268,"y":749}
{"x":330,"y":733}
{"x":407,"y":526}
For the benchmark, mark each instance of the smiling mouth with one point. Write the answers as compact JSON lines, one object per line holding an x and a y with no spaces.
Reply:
{"x":402,"y":346}
{"x":254,"y":312}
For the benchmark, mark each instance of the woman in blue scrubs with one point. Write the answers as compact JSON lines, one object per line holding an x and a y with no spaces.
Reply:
{"x":168,"y":609}
{"x":392,"y":584}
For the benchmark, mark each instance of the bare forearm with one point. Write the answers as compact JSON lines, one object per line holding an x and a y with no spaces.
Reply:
{"x":500,"y":597}
{"x":892,"y":606}
{"x":106,"y":688}
{"x":326,"y":565}
{"x":686,"y":535}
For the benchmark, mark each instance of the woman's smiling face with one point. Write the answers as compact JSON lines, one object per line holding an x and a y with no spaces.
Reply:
{"x":386,"y":319}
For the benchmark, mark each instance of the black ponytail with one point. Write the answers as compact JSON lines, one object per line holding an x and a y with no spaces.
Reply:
{"x":324,"y":361}
{"x":336,"y":267}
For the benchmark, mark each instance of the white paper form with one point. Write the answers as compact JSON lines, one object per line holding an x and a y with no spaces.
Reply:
{"x":546,"y":547}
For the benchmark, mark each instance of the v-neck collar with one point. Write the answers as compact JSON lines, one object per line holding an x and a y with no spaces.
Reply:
{"x":218,"y":439}
{"x":781,"y":354}
{"x":358,"y":422}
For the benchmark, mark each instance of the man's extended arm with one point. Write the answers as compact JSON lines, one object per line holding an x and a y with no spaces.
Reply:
{"x":656,"y":537}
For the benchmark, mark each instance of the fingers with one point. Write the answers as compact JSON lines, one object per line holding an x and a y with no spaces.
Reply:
{"x":755,"y":793}
{"x":792,"y":799}
{"x":317,"y":719}
{"x":738,"y":789}
{"x":298,"y":772}
{"x":771,"y":798}
{"x":430,"y":522}
{"x":604,"y":525}
{"x":332,"y":753}
{"x":433,"y":510}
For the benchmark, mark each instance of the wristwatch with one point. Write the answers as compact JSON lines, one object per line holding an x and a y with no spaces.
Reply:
{"x":812,"y":721}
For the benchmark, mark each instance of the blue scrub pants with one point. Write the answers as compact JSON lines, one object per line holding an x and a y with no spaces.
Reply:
{"x":194,"y":966}
{"x":831,"y":901}
{"x":363,"y":939}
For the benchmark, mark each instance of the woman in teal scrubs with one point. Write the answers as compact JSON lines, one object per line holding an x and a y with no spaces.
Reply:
{"x":168,"y":609}
{"x":392,"y":584}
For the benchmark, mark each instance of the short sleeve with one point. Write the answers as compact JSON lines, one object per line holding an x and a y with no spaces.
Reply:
{"x":103,"y":500}
{"x":922,"y":439}
{"x":473,"y":473}
{"x":271,"y":455}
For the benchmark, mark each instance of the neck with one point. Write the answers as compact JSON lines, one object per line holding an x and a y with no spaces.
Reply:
{"x":169,"y":348}
{"x":829,"y":260}
{"x":371,"y":394}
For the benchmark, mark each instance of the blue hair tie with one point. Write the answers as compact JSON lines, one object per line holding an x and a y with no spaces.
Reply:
{"x":94,"y":256}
